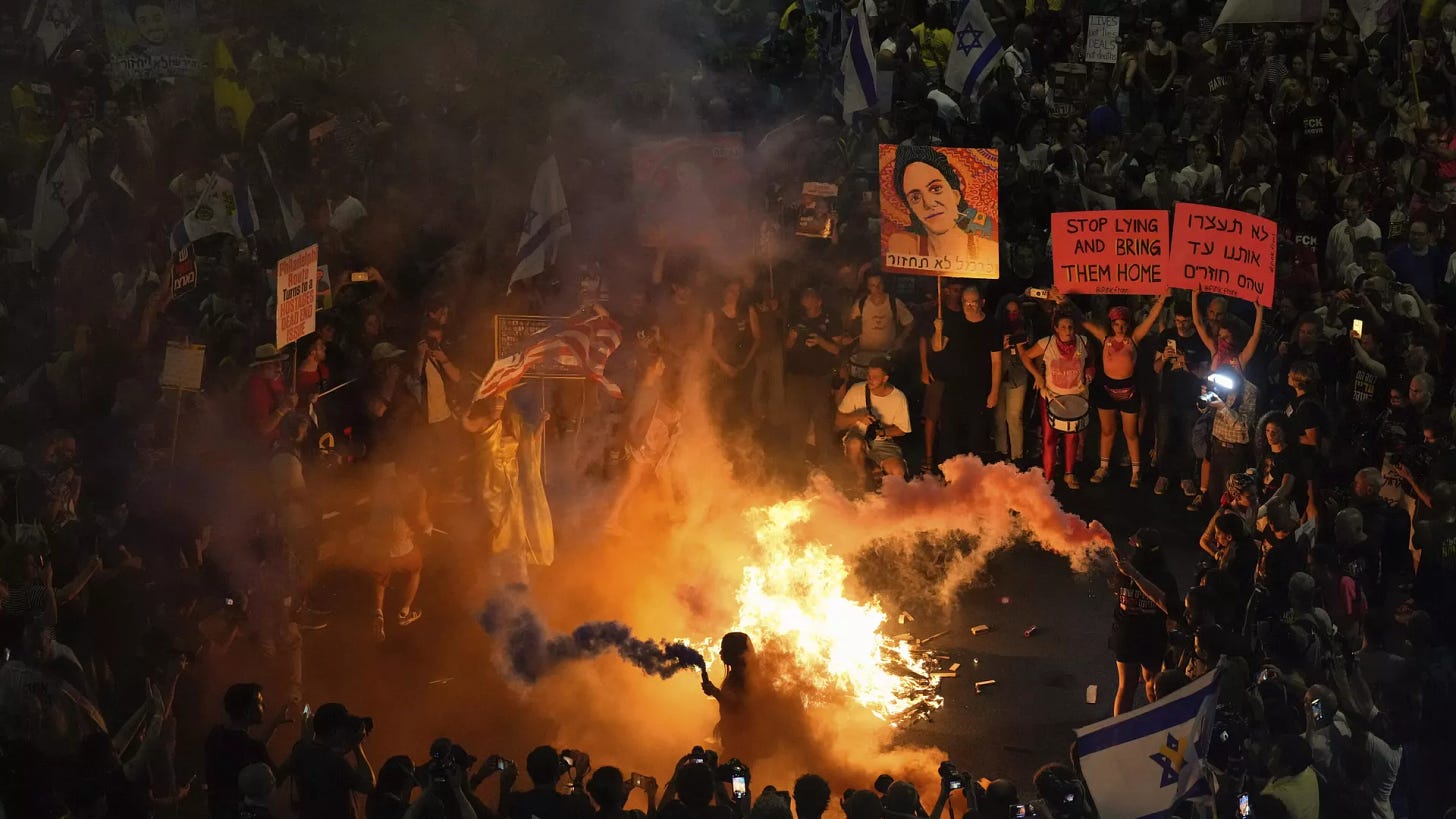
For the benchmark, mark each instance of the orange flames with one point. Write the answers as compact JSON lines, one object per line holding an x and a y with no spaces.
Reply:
{"x":793,"y":599}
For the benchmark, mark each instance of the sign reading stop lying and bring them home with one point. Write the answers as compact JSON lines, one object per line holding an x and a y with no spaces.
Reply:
{"x":1113,"y":252}
{"x":1222,"y":251}
{"x":297,"y":279}
{"x":511,"y":333}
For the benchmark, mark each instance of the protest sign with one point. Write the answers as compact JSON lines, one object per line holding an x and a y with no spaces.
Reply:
{"x":297,"y":305}
{"x":1102,"y":34}
{"x":1224,"y":251}
{"x":685,"y":187}
{"x":939,"y":213}
{"x":1117,"y":252}
{"x":1068,"y":88}
{"x":511,"y":333}
{"x":182,"y":366}
{"x":818,"y":210}
{"x":154,"y":39}
{"x":184,"y":270}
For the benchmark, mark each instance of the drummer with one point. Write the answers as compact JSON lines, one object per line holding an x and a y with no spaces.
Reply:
{"x":1059,"y":367}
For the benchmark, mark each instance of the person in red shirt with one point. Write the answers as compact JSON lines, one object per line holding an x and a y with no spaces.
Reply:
{"x":268,"y":398}
{"x":313,"y":371}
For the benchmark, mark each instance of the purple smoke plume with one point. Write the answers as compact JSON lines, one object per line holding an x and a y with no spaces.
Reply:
{"x":531,"y":651}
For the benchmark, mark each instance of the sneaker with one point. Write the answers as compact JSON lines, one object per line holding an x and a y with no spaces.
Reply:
{"x":1196,"y":503}
{"x":1161,"y":486}
{"x":1071,"y":481}
{"x":407,"y":617}
{"x":1189,"y":487}
{"x":379,"y":625}
{"x":1100,"y":475}
{"x":1134,"y":482}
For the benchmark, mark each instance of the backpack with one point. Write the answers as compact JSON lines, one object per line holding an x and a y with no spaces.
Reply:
{"x":894,"y":312}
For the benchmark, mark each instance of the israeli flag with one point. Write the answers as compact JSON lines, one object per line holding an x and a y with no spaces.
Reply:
{"x":974,"y":52}
{"x":1140,"y":764}
{"x":858,"y":66}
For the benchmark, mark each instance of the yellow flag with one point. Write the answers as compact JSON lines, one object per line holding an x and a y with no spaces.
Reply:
{"x":227,"y":92}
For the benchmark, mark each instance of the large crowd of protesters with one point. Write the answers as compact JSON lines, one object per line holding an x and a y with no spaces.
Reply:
{"x":156,"y":540}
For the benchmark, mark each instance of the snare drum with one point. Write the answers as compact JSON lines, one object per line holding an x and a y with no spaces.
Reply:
{"x":1067,"y":413}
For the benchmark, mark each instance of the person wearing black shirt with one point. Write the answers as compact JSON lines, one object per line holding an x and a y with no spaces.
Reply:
{"x":546,"y":767}
{"x":933,"y":366}
{"x":1307,"y":230}
{"x":1139,"y":641}
{"x":1315,"y":119}
{"x":972,"y":368}
{"x":229,"y":747}
{"x":1182,"y":363}
{"x":1281,"y":555}
{"x":1284,"y":466}
{"x":324,"y":782}
{"x":811,"y":356}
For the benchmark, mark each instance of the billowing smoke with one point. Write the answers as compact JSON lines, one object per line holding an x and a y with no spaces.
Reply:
{"x":997,"y":504}
{"x":528,"y":650}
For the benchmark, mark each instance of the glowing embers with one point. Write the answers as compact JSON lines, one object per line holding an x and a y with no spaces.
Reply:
{"x":793,"y":601}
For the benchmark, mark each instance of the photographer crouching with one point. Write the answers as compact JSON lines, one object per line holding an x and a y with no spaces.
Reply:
{"x":324,"y":781}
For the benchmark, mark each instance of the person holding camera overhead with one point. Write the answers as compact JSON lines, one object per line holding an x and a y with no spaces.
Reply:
{"x":546,"y":766}
{"x":324,"y":780}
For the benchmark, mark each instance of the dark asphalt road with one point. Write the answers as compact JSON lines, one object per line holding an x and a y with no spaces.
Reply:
{"x":1028,"y":718}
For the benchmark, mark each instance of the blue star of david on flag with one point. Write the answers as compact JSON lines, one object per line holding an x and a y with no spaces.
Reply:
{"x":965,"y":47}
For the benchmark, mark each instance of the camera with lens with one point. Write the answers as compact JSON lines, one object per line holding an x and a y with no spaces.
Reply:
{"x":952,"y":777}
{"x":360,"y":726}
{"x":442,"y":762}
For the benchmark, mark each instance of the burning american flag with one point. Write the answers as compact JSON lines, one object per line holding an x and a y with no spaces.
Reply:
{"x":581,"y":343}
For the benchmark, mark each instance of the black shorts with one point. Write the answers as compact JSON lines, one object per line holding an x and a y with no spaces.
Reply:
{"x":1119,"y":394}
{"x":1140,"y":643}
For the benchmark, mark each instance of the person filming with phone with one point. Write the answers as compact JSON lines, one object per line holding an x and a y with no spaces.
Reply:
{"x":324,"y":779}
{"x":546,"y":766}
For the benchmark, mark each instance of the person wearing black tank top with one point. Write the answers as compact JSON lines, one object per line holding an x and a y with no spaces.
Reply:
{"x":731,"y":333}
{"x":1332,"y":48}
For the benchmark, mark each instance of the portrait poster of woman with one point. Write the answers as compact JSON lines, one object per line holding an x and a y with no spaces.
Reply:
{"x":939,"y":214}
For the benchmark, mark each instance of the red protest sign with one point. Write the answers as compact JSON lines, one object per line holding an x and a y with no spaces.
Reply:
{"x":1118,"y":252}
{"x":1224,"y":251}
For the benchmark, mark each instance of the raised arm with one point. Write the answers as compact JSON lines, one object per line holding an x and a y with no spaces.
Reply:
{"x":1203,"y":330}
{"x":1249,"y":348}
{"x":1148,"y":323}
{"x":1081,"y":318}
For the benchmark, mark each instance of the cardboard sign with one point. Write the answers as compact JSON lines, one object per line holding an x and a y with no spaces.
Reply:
{"x":818,"y":210}
{"x":1119,"y":252}
{"x":297,"y":305}
{"x":939,"y":213}
{"x":511,"y":333}
{"x":151,"y":41}
{"x":1068,"y":88}
{"x":1102,"y":35}
{"x":184,"y":271}
{"x":685,"y":187}
{"x":1222,"y":251}
{"x":182,"y":366}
